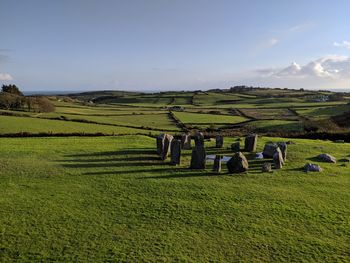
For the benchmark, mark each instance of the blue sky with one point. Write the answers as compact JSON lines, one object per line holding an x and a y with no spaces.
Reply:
{"x":182,"y":44}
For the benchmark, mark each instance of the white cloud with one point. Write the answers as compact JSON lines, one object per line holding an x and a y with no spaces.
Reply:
{"x":5,"y":77}
{"x":328,"y":72}
{"x":272,"y":42}
{"x":301,"y":27}
{"x":265,"y":44}
{"x":344,"y":43}
{"x":331,"y":66}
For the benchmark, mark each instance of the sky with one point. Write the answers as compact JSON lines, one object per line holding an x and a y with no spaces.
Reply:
{"x":174,"y":44}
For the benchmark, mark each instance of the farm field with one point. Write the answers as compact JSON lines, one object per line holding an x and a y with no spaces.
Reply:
{"x":111,"y":198}
{"x":186,"y":117}
{"x":207,"y":111}
{"x":276,"y":125}
{"x":108,"y":197}
{"x":37,"y":125}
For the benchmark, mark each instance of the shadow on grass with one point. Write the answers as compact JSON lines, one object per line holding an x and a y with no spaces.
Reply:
{"x":145,"y":160}
{"x":127,"y":159}
{"x":116,"y":153}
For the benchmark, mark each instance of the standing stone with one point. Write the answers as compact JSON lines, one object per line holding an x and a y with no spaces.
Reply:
{"x":199,"y":139}
{"x":269,"y":150}
{"x":219,"y":141}
{"x":266,"y":168}
{"x":186,"y":142}
{"x":175,"y":152}
{"x":238,"y":163}
{"x":217,"y":164}
{"x":166,"y":146}
{"x":278,"y":159}
{"x":283,"y":148}
{"x":198,"y":158}
{"x":250,"y":143}
{"x":235,"y":147}
{"x":160,"y":143}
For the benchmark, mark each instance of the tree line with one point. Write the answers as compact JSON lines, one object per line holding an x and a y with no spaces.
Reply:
{"x":11,"y":98}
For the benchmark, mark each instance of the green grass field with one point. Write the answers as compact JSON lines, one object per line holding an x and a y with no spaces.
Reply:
{"x":322,"y":113}
{"x":36,"y":125}
{"x":111,"y":199}
{"x":276,"y":125}
{"x":187,"y":117}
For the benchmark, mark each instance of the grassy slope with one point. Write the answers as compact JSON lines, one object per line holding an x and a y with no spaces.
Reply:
{"x":277,"y":125}
{"x":322,"y":113}
{"x":159,"y":121}
{"x":99,"y":199}
{"x":36,"y":125}
{"x":187,"y":117}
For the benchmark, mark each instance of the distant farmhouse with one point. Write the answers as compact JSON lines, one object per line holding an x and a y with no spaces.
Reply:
{"x":319,"y":98}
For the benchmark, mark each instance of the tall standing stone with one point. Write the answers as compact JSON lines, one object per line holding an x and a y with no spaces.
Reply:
{"x":199,"y":139}
{"x":250,"y":143}
{"x":283,"y":148}
{"x":186,"y":142}
{"x":160,"y":143}
{"x":166,"y":146}
{"x":238,"y":163}
{"x":219,"y":141}
{"x":278,"y":159}
{"x":217,"y":164}
{"x":175,"y":152}
{"x":235,"y":147}
{"x":198,"y":158}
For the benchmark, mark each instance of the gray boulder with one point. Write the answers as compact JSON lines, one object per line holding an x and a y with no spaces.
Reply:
{"x":219,"y":141}
{"x":198,"y":158}
{"x":324,"y":157}
{"x":238,"y":163}
{"x":266,"y":168}
{"x":312,"y":168}
{"x":269,"y":150}
{"x":250,"y":143}
{"x":175,"y":152}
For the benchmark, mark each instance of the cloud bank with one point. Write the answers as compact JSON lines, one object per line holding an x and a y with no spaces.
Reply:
{"x":5,"y":77}
{"x":332,"y":71}
{"x":345,"y":44}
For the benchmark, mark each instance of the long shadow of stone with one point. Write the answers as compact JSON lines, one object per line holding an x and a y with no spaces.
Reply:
{"x":315,"y":159}
{"x":116,"y":153}
{"x":88,"y":164}
{"x":128,"y":172}
{"x":140,"y":158}
{"x":299,"y":169}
